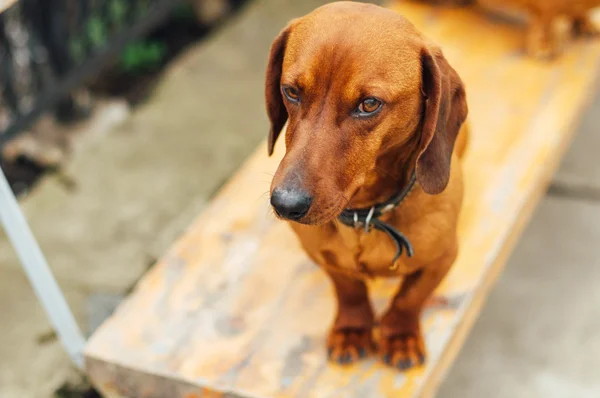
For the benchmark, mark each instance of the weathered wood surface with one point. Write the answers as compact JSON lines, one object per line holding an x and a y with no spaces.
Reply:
{"x":236,"y":309}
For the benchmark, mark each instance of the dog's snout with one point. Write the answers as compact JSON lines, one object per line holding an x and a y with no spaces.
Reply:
{"x":291,"y":204}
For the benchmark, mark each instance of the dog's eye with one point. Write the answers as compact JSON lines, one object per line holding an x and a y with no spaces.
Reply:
{"x":368,"y":106}
{"x":291,"y":93}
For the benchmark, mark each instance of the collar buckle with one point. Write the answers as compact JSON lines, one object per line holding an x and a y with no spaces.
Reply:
{"x":368,"y":219}
{"x":357,"y":224}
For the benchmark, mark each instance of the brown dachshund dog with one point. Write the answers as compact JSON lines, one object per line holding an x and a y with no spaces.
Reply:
{"x":374,"y":111}
{"x":544,"y":40}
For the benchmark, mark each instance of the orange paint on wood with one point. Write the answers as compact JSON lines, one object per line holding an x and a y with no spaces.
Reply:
{"x":236,"y":308}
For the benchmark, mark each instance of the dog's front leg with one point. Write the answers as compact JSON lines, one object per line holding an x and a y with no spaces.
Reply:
{"x":350,"y":337}
{"x":401,"y":342}
{"x":543,"y":41}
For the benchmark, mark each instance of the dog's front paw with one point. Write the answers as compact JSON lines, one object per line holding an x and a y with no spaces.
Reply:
{"x":346,"y":346}
{"x":403,"y":351}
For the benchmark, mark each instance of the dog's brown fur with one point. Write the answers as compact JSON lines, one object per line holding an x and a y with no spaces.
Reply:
{"x":336,"y":56}
{"x":544,"y":40}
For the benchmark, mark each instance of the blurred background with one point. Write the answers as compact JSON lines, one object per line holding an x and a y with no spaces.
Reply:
{"x":119,"y":119}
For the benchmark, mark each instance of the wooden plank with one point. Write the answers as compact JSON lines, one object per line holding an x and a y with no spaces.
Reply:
{"x":236,"y":309}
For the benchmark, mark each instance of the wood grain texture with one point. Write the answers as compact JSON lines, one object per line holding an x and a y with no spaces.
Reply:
{"x":236,"y":309}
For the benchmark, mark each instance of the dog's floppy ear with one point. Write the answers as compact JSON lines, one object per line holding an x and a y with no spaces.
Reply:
{"x":274,"y":100}
{"x":445,"y":111}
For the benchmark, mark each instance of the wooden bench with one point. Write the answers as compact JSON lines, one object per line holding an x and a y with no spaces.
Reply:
{"x":235,"y":309}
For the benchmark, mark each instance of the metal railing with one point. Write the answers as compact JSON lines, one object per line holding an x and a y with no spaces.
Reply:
{"x":50,"y":47}
{"x":39,"y":274}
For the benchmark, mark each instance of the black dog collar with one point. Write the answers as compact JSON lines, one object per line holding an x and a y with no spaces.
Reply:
{"x":367,"y":218}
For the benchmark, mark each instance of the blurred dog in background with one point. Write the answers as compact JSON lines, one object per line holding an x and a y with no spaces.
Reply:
{"x":545,"y":38}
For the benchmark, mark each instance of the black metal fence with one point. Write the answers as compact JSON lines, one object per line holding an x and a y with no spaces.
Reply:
{"x":49,"y":47}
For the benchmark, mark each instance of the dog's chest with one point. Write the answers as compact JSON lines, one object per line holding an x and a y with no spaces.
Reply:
{"x":337,"y":247}
{"x":372,"y":253}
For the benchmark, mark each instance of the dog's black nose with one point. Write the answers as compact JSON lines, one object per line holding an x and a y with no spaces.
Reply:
{"x":291,"y":204}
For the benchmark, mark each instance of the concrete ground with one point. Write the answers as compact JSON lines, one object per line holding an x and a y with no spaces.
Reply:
{"x":140,"y":184}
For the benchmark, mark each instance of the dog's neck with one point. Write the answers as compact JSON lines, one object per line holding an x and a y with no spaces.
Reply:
{"x":390,"y":174}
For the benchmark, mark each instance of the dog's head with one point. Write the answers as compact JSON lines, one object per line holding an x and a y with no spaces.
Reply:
{"x":355,"y":82}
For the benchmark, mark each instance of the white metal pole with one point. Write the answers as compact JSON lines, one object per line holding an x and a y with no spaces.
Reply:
{"x":39,"y":274}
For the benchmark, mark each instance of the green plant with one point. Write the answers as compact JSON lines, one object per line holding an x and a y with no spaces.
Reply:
{"x":184,"y":12}
{"x":142,"y":56}
{"x":96,"y":31}
{"x":117,"y":10}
